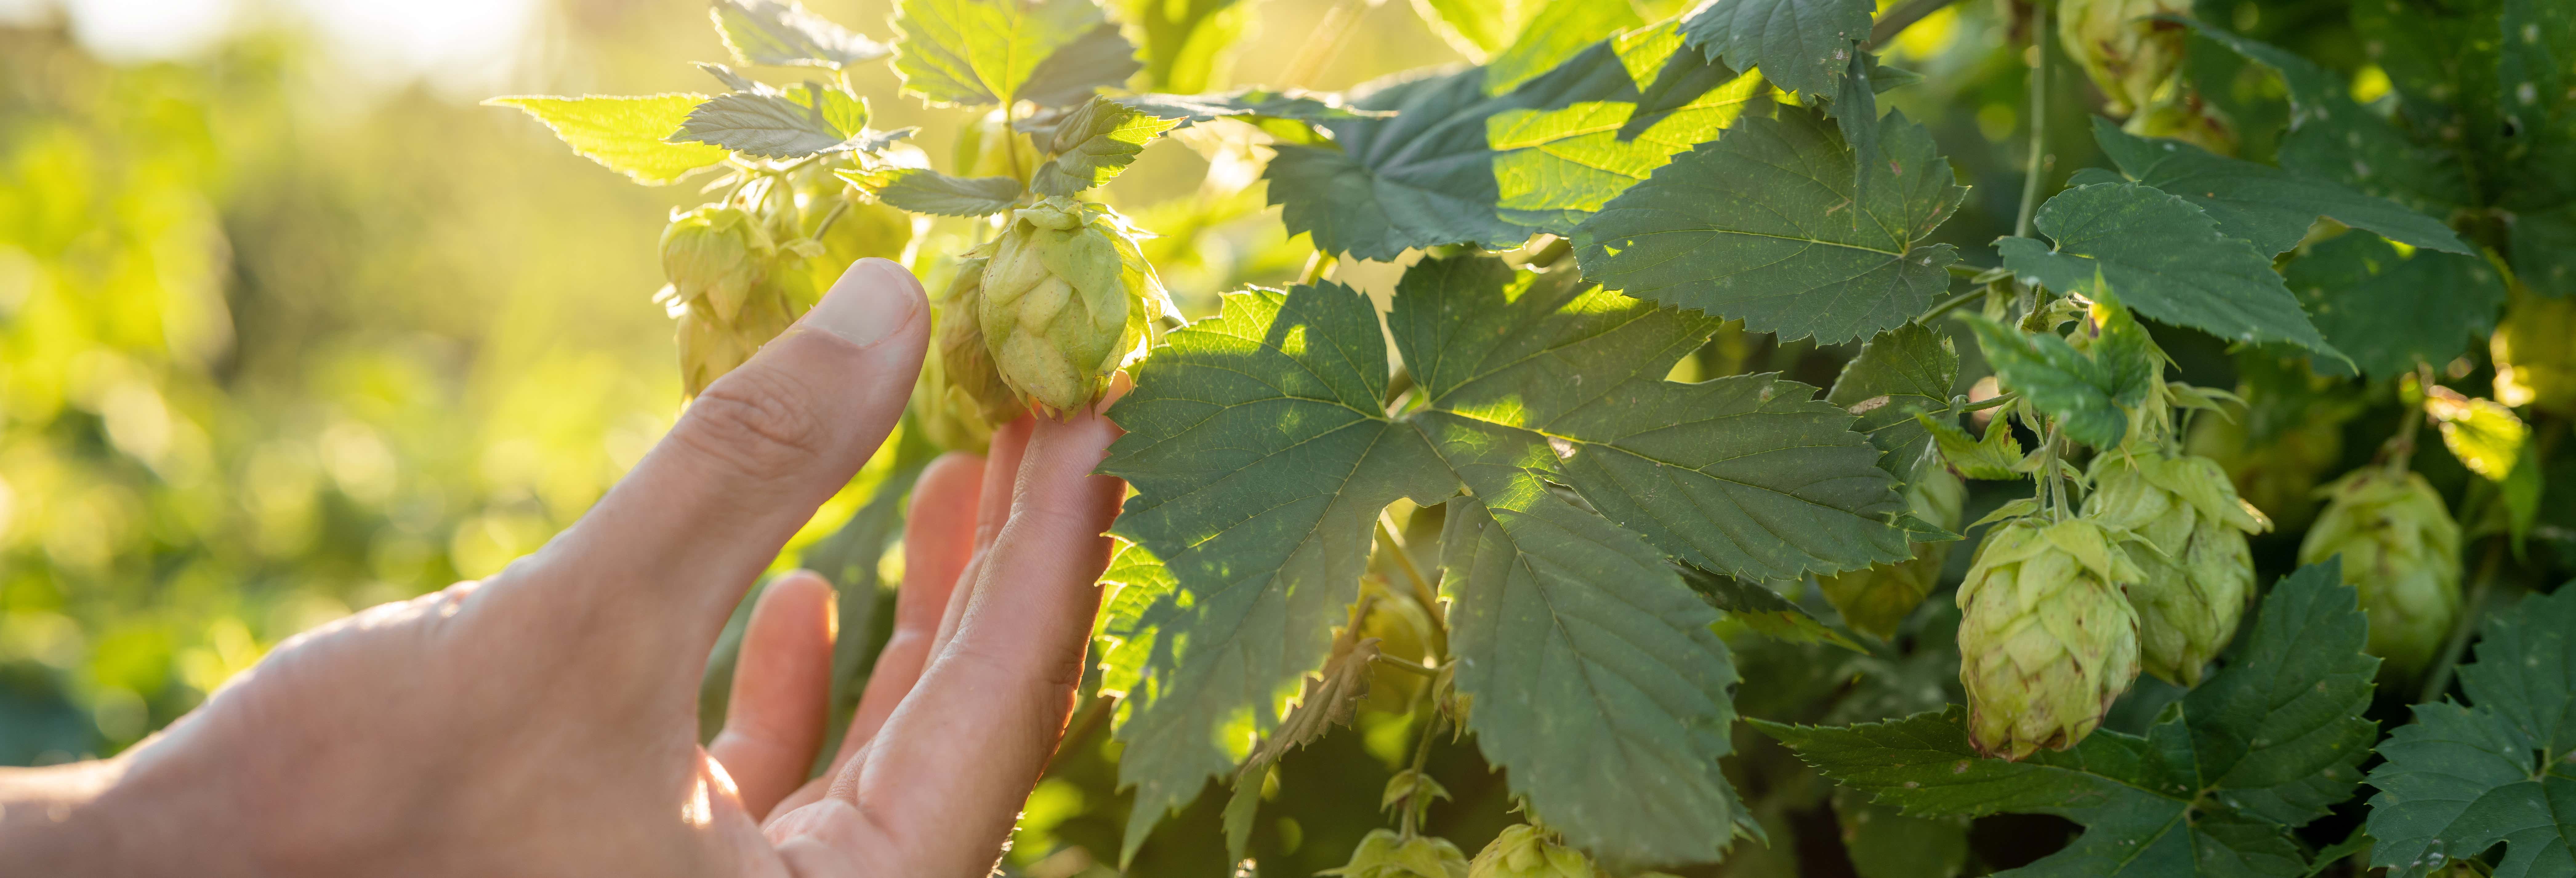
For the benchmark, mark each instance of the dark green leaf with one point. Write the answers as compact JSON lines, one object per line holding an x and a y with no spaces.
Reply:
{"x":1804,"y":45}
{"x":1454,"y":164}
{"x":773,"y":124}
{"x":2463,"y":779}
{"x":2387,"y":311}
{"x":1762,"y":226}
{"x":1587,"y":662}
{"x":922,"y":190}
{"x":2335,"y":138}
{"x":624,"y":134}
{"x":783,"y":33}
{"x":2164,"y":258}
{"x":1855,"y":109}
{"x":1749,"y":475}
{"x":1902,"y":372}
{"x":1093,"y":144}
{"x":978,"y":52}
{"x":2267,"y":206}
{"x":2211,"y":791}
{"x":2060,"y":381}
{"x":2544,"y":251}
{"x":1763,"y":610}
{"x":1262,"y":452}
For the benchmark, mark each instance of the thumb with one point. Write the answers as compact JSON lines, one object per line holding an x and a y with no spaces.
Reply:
{"x":679,"y":539}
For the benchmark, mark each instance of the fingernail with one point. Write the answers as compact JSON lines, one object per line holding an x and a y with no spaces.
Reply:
{"x":870,"y":301}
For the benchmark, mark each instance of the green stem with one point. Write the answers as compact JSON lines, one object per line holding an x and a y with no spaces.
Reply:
{"x":1422,"y":592}
{"x":1423,"y":706}
{"x":2056,"y":501}
{"x":1898,"y":19}
{"x":1951,"y":304}
{"x":2439,"y":681}
{"x":2006,"y":399}
{"x":2038,"y":118}
{"x":829,"y":219}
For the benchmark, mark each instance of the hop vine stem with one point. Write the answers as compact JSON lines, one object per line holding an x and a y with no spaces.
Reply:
{"x":2038,"y":118}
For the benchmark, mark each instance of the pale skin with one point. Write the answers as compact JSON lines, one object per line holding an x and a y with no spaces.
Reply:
{"x":543,"y":721}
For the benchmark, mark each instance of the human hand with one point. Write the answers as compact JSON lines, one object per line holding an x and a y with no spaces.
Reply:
{"x":543,"y":720}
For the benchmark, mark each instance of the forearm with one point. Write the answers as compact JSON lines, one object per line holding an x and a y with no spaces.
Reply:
{"x":49,"y":818}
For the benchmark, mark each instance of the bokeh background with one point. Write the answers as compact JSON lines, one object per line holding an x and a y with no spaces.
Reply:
{"x":290,"y":325}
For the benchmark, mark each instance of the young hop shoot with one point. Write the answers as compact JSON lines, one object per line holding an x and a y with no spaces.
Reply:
{"x":1060,"y":301}
{"x":2048,"y":639}
{"x":2401,"y":550}
{"x":2187,"y":531}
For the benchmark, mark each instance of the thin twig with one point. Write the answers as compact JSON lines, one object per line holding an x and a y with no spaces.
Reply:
{"x":2004,"y":400}
{"x":1951,"y":304}
{"x":1898,"y":19}
{"x":2038,"y":118}
{"x":1422,"y":592}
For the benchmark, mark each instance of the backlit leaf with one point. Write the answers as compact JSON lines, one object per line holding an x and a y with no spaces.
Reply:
{"x":1762,"y":226}
{"x":624,"y":134}
{"x":784,"y":33}
{"x":978,"y":52}
{"x":922,"y":190}
{"x":1093,"y":144}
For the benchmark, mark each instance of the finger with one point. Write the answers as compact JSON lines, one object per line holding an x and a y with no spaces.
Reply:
{"x":938,"y":538}
{"x":663,"y":558}
{"x":781,"y":687}
{"x":988,"y":711}
{"x":1001,"y":472}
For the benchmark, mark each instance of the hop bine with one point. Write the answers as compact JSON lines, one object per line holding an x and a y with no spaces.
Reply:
{"x":1064,"y":298}
{"x":2048,"y":640}
{"x":2401,"y":551}
{"x":1386,"y":854}
{"x":2185,"y":528}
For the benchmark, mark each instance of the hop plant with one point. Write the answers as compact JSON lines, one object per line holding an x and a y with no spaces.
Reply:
{"x":2534,"y":364}
{"x":1386,"y":854}
{"x":2127,"y":54}
{"x":718,"y":261}
{"x":1875,"y":600}
{"x":2401,"y":551}
{"x":2187,"y":528}
{"x":1525,"y":851}
{"x":967,"y":377}
{"x":2048,"y":640}
{"x":1064,"y":300}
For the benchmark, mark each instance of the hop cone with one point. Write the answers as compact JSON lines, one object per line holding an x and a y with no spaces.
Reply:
{"x":723,"y":291}
{"x":966,"y":365}
{"x":2535,"y":360}
{"x":2401,"y":550}
{"x":1525,"y":851}
{"x":1066,"y":297}
{"x":2047,"y":640}
{"x":1874,"y":601}
{"x":2126,"y":54}
{"x":1384,"y":854}
{"x":2188,"y":529}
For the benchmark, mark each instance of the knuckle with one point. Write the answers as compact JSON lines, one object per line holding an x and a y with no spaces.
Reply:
{"x":753,"y":421}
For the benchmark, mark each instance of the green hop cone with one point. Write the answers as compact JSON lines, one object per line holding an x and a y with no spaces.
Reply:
{"x":1525,"y":851}
{"x":2535,"y":364}
{"x":1874,"y":601}
{"x":966,"y":364}
{"x":2401,"y":551}
{"x":2127,"y":54}
{"x":1066,"y":298}
{"x":731,"y":290}
{"x":1385,"y":854}
{"x":2187,"y":529}
{"x":860,"y":227}
{"x":2046,"y":640}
